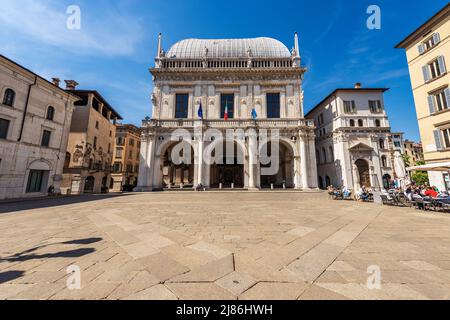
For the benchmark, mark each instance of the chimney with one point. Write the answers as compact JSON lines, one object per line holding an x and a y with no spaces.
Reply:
{"x":358,"y":85}
{"x":71,"y":84}
{"x":56,"y":81}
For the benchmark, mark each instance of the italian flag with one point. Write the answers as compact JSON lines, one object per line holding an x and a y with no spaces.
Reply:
{"x":225,"y":115}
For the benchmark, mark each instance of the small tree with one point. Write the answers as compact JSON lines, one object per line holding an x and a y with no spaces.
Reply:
{"x":406,"y":160}
{"x":420,"y":177}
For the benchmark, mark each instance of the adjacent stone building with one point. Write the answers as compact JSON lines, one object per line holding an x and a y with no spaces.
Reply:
{"x":398,"y":142}
{"x":90,"y":148}
{"x":35,"y":117}
{"x":414,"y":151}
{"x":245,"y":85}
{"x":353,"y":139}
{"x":428,"y":55}
{"x":125,"y":167}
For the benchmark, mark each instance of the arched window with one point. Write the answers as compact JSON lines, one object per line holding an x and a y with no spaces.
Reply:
{"x":67,"y":160}
{"x":318,"y":157}
{"x":320,"y":182}
{"x":324,"y":154}
{"x":381,"y":144}
{"x":377,"y":123}
{"x":327,"y":181}
{"x":331,"y":154}
{"x":384,"y":161}
{"x":352,"y":123}
{"x":360,"y":123}
{"x":8,"y":98}
{"x":50,"y":113}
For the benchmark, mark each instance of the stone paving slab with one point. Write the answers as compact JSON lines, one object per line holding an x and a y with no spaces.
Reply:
{"x":188,"y":245}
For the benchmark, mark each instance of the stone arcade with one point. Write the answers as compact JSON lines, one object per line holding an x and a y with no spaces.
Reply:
{"x":258,"y":84}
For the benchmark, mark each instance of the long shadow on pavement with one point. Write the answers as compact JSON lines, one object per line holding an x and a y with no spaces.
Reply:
{"x":29,"y":204}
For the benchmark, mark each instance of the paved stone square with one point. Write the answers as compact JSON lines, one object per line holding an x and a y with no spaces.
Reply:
{"x":221,"y":245}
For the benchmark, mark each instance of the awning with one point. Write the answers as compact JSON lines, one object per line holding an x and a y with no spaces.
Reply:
{"x":438,"y":166}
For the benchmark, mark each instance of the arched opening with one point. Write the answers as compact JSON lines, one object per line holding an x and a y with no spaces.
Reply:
{"x":352,"y":123}
{"x":67,"y":160}
{"x":320,"y":182}
{"x":178,"y":166}
{"x":383,"y":161}
{"x":89,"y":184}
{"x":324,"y":155}
{"x":382,"y":146}
{"x":364,"y":173}
{"x":387,"y":181}
{"x":327,"y":181}
{"x":9,"y":97}
{"x":360,"y":123}
{"x":319,"y":161}
{"x":377,"y":123}
{"x":111,"y":183}
{"x":284,"y":176}
{"x":228,"y":170}
{"x":331,"y":154}
{"x":50,"y":113}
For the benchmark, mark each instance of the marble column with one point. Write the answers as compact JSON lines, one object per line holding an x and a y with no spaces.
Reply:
{"x":145,"y":179}
{"x":252,"y":158}
{"x":313,"y":182}
{"x":303,"y":161}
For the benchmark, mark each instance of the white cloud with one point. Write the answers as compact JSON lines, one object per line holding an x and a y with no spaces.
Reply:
{"x":108,"y":32}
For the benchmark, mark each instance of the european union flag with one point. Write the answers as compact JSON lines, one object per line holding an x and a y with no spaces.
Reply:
{"x":200,"y":111}
{"x":254,"y":114}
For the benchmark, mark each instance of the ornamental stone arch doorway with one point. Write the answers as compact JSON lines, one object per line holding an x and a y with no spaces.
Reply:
{"x":175,"y":163}
{"x":363,"y":173}
{"x":226,"y":164}
{"x":281,"y":173}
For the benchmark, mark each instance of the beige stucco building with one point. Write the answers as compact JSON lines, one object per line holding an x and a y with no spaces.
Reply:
{"x":414,"y":151}
{"x":35,"y":117}
{"x":90,"y":148}
{"x":428,"y":55}
{"x":353,"y":139}
{"x":125,"y":167}
{"x":244,"y":88}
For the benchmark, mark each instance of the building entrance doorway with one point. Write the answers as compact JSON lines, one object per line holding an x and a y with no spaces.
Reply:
{"x":228,"y":170}
{"x":364,"y":173}
{"x":284,"y":176}
{"x":178,"y":172}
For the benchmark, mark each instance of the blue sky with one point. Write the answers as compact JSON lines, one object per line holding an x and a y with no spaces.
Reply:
{"x":117,"y":43}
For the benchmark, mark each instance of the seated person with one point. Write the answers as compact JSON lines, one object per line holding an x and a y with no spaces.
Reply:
{"x":346,"y":192}
{"x":363,"y":194}
{"x":430,"y":192}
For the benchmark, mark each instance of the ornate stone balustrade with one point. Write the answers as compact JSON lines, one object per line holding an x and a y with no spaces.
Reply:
{"x":233,"y":123}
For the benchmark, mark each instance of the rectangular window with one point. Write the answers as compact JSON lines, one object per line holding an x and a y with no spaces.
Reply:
{"x":439,"y":100}
{"x":35,"y":180}
{"x":434,"y":69}
{"x":375,"y":106}
{"x":273,"y":105}
{"x":119,"y":153}
{"x":46,"y":138}
{"x":349,"y":107}
{"x":181,"y":106}
{"x":131,"y":142}
{"x":446,"y":134}
{"x":4,"y":126}
{"x":95,"y":143}
{"x":227,"y":100}
{"x":429,"y":43}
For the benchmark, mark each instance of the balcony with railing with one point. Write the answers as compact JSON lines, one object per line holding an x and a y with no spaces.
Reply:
{"x":231,"y":123}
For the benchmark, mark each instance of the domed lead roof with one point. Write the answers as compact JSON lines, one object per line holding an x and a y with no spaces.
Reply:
{"x":228,"y":48}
